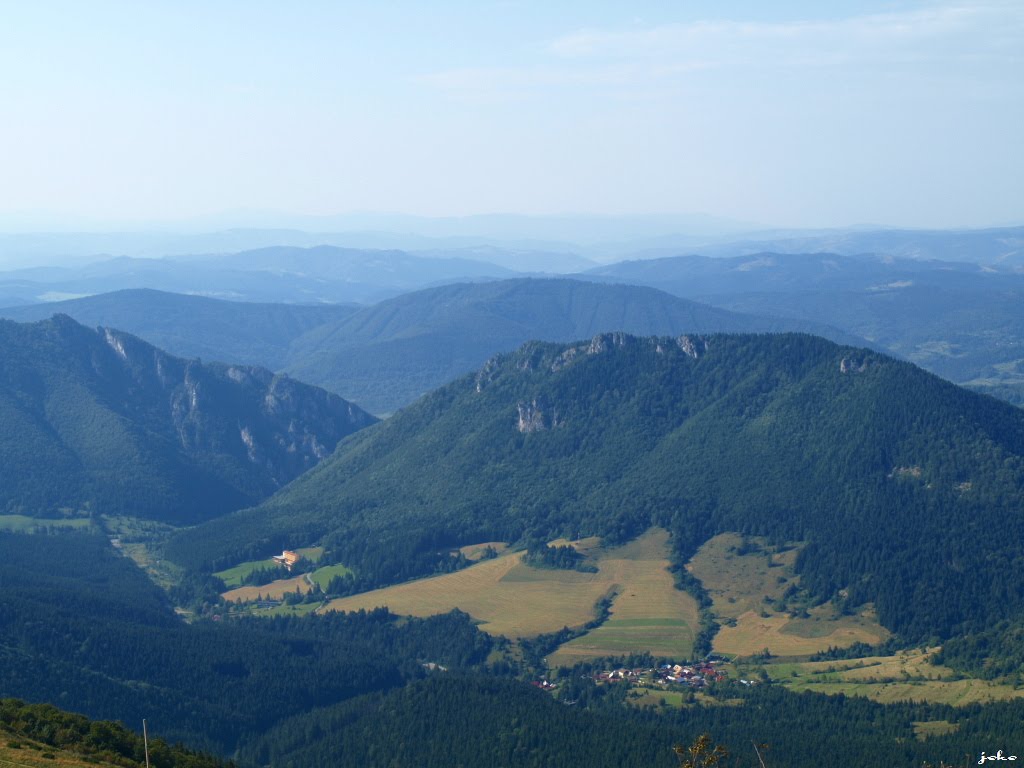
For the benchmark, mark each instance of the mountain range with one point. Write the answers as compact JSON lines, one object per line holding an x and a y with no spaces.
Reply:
{"x":386,"y":355}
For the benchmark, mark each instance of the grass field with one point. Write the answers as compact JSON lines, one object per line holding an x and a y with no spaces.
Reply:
{"x":25,"y":524}
{"x":648,"y":612}
{"x":311,"y":553}
{"x":925,"y":729}
{"x":747,"y":588}
{"x":232,"y":577}
{"x":476,"y":551}
{"x":323,"y":576}
{"x":273,"y":591}
{"x":510,"y":598}
{"x":908,"y":676}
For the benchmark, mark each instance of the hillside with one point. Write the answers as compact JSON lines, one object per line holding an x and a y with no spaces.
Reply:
{"x":385,"y":356}
{"x":194,"y":326}
{"x":81,"y":625}
{"x":100,"y":422}
{"x":891,"y":475}
{"x":39,"y":735}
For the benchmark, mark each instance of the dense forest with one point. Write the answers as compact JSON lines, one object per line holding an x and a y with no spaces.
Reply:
{"x":896,"y":479}
{"x":81,"y":626}
{"x":456,"y":720}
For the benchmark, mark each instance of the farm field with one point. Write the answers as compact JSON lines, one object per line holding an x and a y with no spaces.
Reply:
{"x":476,"y":551}
{"x":232,"y":577}
{"x":275,"y":590}
{"x":322,"y":576}
{"x":648,"y":612}
{"x":511,"y":598}
{"x":908,"y":676}
{"x":748,"y":582}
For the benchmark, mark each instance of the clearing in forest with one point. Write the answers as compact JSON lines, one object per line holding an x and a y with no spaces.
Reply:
{"x":906,"y":676}
{"x":275,"y":590}
{"x":509,"y":597}
{"x":758,"y":603}
{"x":648,"y":613}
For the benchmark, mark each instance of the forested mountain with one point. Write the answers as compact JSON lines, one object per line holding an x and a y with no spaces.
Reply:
{"x":897,"y":479}
{"x":98,"y":421}
{"x":195,"y":326}
{"x":385,"y":356}
{"x":959,"y":320}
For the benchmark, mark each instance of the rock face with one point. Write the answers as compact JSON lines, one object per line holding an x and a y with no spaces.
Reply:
{"x":536,"y":416}
{"x":852,"y":365}
{"x":132,"y":424}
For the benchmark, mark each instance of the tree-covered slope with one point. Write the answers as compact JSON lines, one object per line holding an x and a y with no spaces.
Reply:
{"x":41,"y":734}
{"x":907,"y":489}
{"x":385,"y":356}
{"x":195,"y":326}
{"x":83,"y":626}
{"x":100,"y":421}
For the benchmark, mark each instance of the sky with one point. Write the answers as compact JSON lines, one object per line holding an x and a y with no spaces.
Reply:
{"x":786,"y":114}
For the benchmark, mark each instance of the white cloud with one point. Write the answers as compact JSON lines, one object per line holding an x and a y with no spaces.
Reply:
{"x":989,"y":33}
{"x":994,"y":28}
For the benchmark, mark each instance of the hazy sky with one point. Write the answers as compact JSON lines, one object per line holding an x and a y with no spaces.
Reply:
{"x":780,"y":113}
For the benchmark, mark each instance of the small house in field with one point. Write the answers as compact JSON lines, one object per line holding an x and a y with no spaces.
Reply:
{"x":287,"y":558}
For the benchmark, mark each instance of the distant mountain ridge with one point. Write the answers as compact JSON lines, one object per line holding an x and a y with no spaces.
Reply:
{"x":960,"y":320}
{"x":315,"y":275}
{"x":386,"y":355}
{"x":99,"y":421}
{"x":195,"y":326}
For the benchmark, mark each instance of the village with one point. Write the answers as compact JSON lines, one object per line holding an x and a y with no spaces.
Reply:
{"x":668,"y":676}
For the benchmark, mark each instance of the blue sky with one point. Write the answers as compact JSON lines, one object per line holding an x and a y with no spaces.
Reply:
{"x":781,"y":113}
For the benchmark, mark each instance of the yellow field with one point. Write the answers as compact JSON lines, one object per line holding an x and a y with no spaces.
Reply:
{"x":743,"y":588}
{"x":476,"y":551}
{"x":510,"y":598}
{"x":648,"y":613}
{"x":908,"y":676}
{"x":785,"y":636}
{"x":273,"y":591}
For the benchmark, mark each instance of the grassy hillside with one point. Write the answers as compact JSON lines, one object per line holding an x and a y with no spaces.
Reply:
{"x":889,"y":474}
{"x":385,"y":356}
{"x":100,"y":422}
{"x":757,"y":601}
